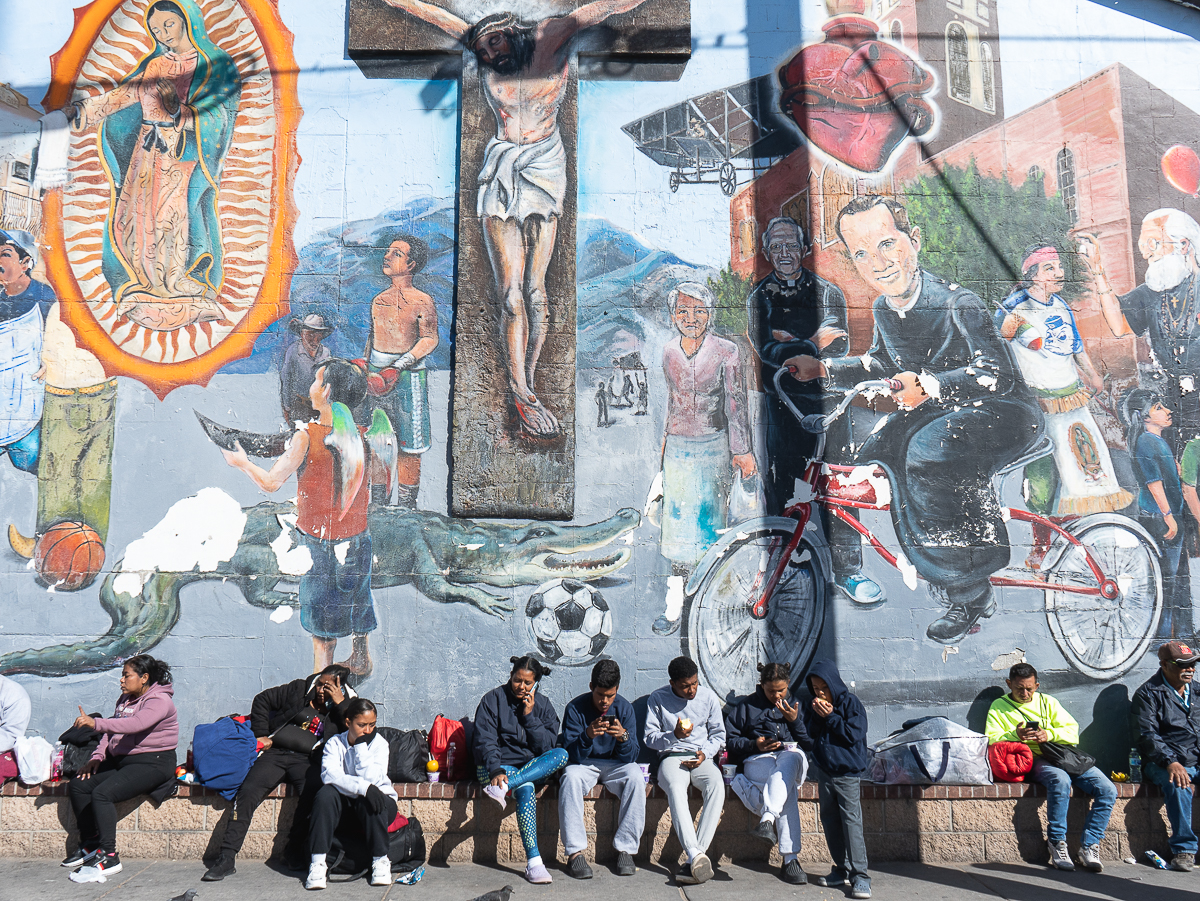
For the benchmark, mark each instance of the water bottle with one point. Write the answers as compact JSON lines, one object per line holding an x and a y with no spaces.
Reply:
{"x":450,"y":751}
{"x":1135,"y":765}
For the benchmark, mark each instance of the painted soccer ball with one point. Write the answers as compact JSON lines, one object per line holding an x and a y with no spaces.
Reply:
{"x":569,"y":620}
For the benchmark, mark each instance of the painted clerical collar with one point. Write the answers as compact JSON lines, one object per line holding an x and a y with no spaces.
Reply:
{"x":911,"y":302}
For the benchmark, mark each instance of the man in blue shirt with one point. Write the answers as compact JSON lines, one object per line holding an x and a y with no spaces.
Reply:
{"x":599,"y":733}
{"x":24,"y":306}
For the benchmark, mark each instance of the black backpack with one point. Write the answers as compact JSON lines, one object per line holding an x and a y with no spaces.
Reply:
{"x":349,"y":859}
{"x":408,"y":752}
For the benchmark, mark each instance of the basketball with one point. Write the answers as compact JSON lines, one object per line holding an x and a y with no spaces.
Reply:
{"x":68,"y":556}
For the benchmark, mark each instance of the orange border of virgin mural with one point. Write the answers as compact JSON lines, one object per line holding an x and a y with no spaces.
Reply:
{"x":271,"y":302}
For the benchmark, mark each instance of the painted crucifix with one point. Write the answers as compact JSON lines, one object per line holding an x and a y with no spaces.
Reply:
{"x":514,"y":385}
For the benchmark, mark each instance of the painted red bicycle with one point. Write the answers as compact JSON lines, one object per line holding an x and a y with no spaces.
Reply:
{"x":760,"y":592}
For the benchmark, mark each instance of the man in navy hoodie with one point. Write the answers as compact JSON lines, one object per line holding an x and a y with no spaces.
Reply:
{"x":836,"y":721}
{"x":599,"y":733}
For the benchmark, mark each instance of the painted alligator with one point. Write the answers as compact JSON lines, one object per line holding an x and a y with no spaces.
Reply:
{"x":442,"y":557}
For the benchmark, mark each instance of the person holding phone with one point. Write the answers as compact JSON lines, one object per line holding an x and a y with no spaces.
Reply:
{"x":766,"y":738}
{"x":316,"y":706}
{"x":356,"y":785}
{"x":136,"y":756}
{"x":516,"y":730}
{"x":1026,"y":715}
{"x":684,"y":725}
{"x":599,"y":733}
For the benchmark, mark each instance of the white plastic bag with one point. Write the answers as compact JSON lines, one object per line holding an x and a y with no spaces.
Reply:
{"x":654,"y":501}
{"x":746,"y":499}
{"x":33,"y":759}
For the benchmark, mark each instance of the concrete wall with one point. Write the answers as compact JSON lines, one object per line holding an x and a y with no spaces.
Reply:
{"x":318,"y":168}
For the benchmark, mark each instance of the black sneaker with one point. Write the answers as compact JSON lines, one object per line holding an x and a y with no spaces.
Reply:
{"x":219,"y":870}
{"x":577,"y":867}
{"x":103,"y":866}
{"x":625,"y":864}
{"x":79,"y":857}
{"x":792,"y":874}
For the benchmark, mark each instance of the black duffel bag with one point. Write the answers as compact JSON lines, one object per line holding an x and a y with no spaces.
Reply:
{"x":349,"y":859}
{"x":408,"y":752}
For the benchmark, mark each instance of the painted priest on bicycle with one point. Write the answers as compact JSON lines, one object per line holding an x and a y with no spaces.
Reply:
{"x":965,"y":412}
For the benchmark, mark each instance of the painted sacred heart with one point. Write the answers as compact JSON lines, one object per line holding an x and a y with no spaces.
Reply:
{"x":856,"y":97}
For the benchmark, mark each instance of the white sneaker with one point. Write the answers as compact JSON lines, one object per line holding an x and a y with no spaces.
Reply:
{"x":316,"y":875}
{"x":381,"y":871}
{"x":1059,"y":858}
{"x":1089,"y":856}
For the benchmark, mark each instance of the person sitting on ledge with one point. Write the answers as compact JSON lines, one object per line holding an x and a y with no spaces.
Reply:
{"x":354,"y":770}
{"x":684,"y":725}
{"x":599,"y":733}
{"x":516,"y":729}
{"x":1026,"y":715}
{"x":314,"y":708}
{"x":766,"y":739}
{"x":1167,"y":718}
{"x":15,"y":709}
{"x":136,"y":756}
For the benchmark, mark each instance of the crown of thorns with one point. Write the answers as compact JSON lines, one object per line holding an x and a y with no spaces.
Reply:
{"x":496,"y":22}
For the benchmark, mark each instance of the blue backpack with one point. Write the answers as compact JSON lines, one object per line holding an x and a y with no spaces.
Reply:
{"x":222,"y":754}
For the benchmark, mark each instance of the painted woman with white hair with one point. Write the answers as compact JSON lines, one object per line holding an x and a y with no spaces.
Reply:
{"x":707,"y":434}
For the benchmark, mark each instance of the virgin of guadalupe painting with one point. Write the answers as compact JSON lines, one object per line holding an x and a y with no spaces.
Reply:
{"x":164,"y":132}
{"x":174,"y":226}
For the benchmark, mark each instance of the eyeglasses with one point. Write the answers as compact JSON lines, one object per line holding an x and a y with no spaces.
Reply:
{"x":1179,"y":664}
{"x":780,"y":248}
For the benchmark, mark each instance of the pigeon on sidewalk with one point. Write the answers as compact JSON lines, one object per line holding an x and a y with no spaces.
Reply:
{"x":189,"y":895}
{"x":501,"y":895}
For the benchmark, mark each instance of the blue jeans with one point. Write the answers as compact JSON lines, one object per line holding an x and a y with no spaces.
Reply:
{"x":521,"y":784}
{"x":24,"y":451}
{"x":1179,"y":807}
{"x":1058,"y":798}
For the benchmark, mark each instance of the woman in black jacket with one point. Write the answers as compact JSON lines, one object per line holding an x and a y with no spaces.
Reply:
{"x":291,"y":722}
{"x":764,"y":736}
{"x":516,"y":730}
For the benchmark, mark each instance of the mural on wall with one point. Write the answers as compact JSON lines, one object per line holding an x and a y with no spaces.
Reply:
{"x":174,"y":224}
{"x":898,"y":355}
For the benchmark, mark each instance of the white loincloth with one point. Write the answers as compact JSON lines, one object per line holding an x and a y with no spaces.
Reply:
{"x":517,"y":181}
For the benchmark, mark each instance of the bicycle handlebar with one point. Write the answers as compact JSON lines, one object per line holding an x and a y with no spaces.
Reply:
{"x":816,"y":423}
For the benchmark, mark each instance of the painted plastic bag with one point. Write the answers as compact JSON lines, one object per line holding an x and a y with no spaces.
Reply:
{"x":932,"y":751}
{"x":33,"y":759}
{"x":654,"y":501}
{"x":746,"y":499}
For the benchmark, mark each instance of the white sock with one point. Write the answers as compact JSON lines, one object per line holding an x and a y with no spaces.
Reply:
{"x":767,"y":817}
{"x":788,"y":858}
{"x":318,"y":858}
{"x":674,"y":598}
{"x":535,"y":861}
{"x":693,"y":853}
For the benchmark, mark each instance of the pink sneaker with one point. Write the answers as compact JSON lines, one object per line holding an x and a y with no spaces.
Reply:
{"x":538,"y":875}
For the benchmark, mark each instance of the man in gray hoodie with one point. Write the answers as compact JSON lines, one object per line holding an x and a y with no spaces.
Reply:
{"x":684,"y":725}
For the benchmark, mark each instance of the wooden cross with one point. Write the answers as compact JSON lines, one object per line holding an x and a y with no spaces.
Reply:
{"x":513,"y":440}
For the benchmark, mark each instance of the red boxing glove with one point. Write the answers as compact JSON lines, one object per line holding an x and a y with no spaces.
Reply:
{"x":380,"y":383}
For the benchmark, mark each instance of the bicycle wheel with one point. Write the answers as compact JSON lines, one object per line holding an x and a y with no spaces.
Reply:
{"x":1101,"y":638}
{"x":724,"y":638}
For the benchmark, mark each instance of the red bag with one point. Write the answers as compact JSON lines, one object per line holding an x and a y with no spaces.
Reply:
{"x":1011,"y":761}
{"x":444,"y":733}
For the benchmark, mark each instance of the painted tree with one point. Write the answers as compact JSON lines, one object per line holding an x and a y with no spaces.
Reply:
{"x":975,"y":228}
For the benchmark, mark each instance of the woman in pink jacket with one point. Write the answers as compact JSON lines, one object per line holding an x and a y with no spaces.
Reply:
{"x":136,"y":755}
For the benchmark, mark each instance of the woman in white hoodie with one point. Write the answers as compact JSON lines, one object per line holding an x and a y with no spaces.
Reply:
{"x":354,"y":770}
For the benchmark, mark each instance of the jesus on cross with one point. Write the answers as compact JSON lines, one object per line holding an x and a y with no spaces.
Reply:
{"x":523,"y":177}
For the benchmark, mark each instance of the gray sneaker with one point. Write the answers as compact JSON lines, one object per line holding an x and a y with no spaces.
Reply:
{"x":860,"y":888}
{"x":836,"y":879}
{"x":1060,"y":859}
{"x":577,"y":867}
{"x":1089,"y":857}
{"x":1183,"y":861}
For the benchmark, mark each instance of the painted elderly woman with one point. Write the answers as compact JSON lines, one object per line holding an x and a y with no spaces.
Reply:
{"x":707,"y":434}
{"x":164,"y":132}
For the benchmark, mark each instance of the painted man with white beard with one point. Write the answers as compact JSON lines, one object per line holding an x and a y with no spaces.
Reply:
{"x":1165,"y":309}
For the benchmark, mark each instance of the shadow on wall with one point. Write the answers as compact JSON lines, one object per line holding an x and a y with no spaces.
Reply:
{"x":977,"y":715}
{"x":1110,"y":722}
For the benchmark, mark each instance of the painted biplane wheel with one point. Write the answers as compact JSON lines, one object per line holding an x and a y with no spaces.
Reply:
{"x":722,"y":635}
{"x":728,"y":179}
{"x":1100,"y":638}
{"x":674,"y":182}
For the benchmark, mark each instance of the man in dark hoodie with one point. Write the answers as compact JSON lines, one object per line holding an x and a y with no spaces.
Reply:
{"x":317,"y":705}
{"x":836,"y":721}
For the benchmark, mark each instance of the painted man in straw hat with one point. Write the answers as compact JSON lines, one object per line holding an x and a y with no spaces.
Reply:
{"x":300,"y":365}
{"x":523,"y":179}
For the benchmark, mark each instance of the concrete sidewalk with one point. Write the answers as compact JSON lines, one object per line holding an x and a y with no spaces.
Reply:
{"x":161,"y":880}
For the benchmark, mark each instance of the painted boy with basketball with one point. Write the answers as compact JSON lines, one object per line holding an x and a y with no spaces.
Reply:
{"x":329,"y":458}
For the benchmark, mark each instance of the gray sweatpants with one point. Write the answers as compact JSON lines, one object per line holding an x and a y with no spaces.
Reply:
{"x":675,"y":780}
{"x":622,"y":779}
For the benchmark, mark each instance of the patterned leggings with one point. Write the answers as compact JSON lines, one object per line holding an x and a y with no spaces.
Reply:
{"x":521,"y":784}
